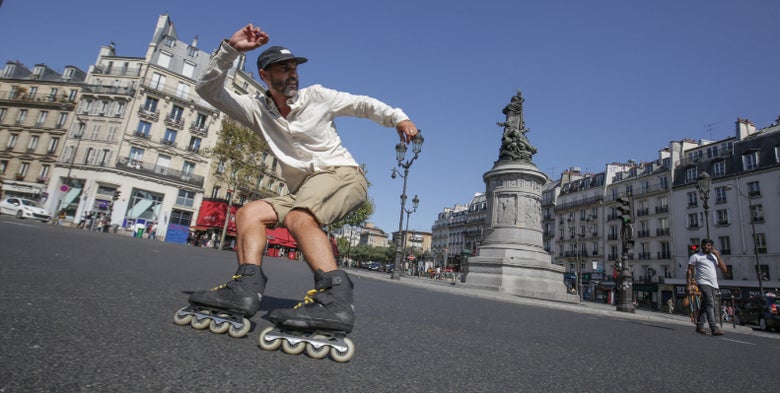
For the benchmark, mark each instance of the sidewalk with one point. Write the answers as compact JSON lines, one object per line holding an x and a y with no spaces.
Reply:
{"x":464,"y":289}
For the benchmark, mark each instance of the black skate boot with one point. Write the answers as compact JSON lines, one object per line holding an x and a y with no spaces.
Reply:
{"x":319,"y":324}
{"x":227,"y":307}
{"x":328,"y":307}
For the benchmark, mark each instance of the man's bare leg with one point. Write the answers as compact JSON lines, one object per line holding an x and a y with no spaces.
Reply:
{"x":330,"y":309}
{"x":312,"y":241}
{"x":251,"y":221}
{"x":245,"y":290}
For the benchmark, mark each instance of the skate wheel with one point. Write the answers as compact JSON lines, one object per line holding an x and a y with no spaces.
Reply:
{"x":219,"y":328}
{"x":343,"y":357}
{"x":269,"y":345}
{"x":182,"y":320}
{"x":201,"y":324}
{"x":317,"y":353}
{"x":293,"y":349}
{"x":242,"y":331}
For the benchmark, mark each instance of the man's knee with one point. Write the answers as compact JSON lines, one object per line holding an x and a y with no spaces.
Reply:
{"x":258,"y":212}
{"x":299,"y":217}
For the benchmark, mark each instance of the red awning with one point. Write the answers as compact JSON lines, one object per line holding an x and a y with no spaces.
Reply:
{"x":280,"y":237}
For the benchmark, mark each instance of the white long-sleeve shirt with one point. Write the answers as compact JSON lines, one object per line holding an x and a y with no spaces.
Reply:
{"x":306,"y":141}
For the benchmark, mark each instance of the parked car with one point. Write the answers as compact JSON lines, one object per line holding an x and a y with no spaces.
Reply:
{"x":24,"y":208}
{"x":761,"y":311}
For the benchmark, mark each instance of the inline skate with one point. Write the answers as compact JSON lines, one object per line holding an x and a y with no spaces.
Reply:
{"x":228,"y":307}
{"x":318,"y":325}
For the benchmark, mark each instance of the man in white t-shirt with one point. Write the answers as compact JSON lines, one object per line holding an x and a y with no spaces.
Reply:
{"x":702,"y":267}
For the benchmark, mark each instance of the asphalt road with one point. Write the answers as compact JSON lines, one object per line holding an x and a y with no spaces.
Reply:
{"x":92,"y":312}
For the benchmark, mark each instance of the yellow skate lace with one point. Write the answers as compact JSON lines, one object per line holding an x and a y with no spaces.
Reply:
{"x":236,"y":277}
{"x":308,"y":298}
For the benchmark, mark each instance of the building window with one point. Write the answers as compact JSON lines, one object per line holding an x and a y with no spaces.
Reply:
{"x":691,"y":174}
{"x":136,"y":155}
{"x":188,"y":168}
{"x":151,"y":105}
{"x":750,"y":161}
{"x":693,"y":199}
{"x":164,"y":60}
{"x":176,"y":113}
{"x":757,"y":213}
{"x":158,"y":81}
{"x":725,"y":245}
{"x":720,"y":195}
{"x":2,"y":113}
{"x":200,"y":121}
{"x":62,"y":119}
{"x":170,"y":137}
{"x":185,"y":198}
{"x":33,"y":144}
{"x":754,"y":189}
{"x":194,"y":144}
{"x":42,"y":118}
{"x":21,"y":116}
{"x":693,"y":220}
{"x":53,"y":143}
{"x":3,"y":166}
{"x":180,"y":217}
{"x":215,"y":192}
{"x":760,"y":242}
{"x":719,"y":168}
{"x":188,"y":69}
{"x":23,"y":169}
{"x":722,"y":216}
{"x":143,"y":129}
{"x":12,"y":141}
{"x":183,"y":90}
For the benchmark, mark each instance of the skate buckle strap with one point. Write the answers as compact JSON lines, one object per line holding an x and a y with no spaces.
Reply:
{"x":309,"y":298}
{"x":236,"y":277}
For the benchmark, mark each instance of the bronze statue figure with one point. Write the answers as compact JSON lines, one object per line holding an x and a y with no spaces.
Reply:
{"x":514,"y":144}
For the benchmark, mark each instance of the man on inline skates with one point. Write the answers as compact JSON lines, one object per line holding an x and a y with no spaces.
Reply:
{"x":326,"y":182}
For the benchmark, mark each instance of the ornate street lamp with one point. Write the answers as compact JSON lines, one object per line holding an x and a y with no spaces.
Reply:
{"x":415,"y":203}
{"x":400,"y":155}
{"x":703,"y":184}
{"x":577,"y":267}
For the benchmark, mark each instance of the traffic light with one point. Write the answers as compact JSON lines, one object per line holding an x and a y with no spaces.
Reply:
{"x":116,"y":195}
{"x":693,"y":249}
{"x":624,"y":209}
{"x":629,"y":246}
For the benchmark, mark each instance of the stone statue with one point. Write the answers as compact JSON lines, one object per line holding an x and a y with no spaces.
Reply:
{"x":514,"y":144}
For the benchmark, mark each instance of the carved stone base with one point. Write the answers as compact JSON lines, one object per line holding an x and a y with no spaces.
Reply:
{"x":511,"y":257}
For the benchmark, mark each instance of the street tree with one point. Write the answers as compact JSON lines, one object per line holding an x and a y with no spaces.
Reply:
{"x":238,"y":164}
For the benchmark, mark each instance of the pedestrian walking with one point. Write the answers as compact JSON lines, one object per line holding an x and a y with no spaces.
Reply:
{"x":703,"y":274}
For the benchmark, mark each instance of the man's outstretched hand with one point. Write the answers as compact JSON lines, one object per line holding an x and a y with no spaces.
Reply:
{"x":248,"y":38}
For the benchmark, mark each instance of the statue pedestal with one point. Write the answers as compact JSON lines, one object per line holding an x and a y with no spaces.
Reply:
{"x":511,"y":257}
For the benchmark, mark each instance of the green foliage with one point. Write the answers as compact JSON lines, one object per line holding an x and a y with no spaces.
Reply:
{"x":365,"y":253}
{"x":236,"y":156}
{"x":356,"y":218}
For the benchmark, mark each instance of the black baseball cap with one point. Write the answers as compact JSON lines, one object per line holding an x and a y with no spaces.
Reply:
{"x":276,"y":54}
{"x":706,"y":241}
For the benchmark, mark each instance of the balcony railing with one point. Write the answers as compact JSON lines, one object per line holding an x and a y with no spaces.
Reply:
{"x":160,"y":172}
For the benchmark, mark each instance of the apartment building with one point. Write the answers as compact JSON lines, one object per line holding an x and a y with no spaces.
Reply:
{"x":36,"y":110}
{"x":127,"y":139}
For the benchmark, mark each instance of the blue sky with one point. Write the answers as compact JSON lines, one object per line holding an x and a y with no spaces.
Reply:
{"x":603,"y":81}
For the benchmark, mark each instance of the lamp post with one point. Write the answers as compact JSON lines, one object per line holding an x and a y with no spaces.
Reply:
{"x":753,"y":230}
{"x":703,"y":184}
{"x":415,"y":203}
{"x":400,"y":155}
{"x":78,"y":135}
{"x":577,"y":267}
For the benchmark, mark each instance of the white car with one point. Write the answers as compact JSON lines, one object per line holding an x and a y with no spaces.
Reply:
{"x":24,"y":208}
